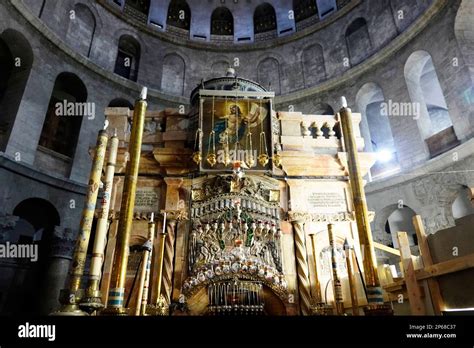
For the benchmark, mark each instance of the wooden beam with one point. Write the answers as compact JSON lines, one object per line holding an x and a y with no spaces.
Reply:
{"x":425,"y":253}
{"x":417,"y":304}
{"x":386,"y":248}
{"x":455,"y":265}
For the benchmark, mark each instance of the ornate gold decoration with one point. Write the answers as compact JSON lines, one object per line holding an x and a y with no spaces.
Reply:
{"x":274,"y":196}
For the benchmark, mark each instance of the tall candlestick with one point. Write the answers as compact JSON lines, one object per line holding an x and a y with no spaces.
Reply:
{"x":351,"y":278}
{"x":374,"y":290}
{"x":158,"y":307}
{"x":142,"y":297}
{"x":115,"y":303}
{"x":93,"y":300}
{"x":337,"y":286}
{"x":72,"y":296}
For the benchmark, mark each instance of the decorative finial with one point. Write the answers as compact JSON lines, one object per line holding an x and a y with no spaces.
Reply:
{"x":152,"y":217}
{"x":106,"y":124}
{"x":143,"y":93}
{"x":343,"y":102}
{"x":115,"y":132}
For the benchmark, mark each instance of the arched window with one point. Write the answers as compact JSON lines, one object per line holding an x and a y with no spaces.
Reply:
{"x":322,"y":109}
{"x":376,"y":129}
{"x":401,"y":219}
{"x":172,"y":80}
{"x":67,"y":107}
{"x":137,"y":9}
{"x":314,"y":70}
{"x":304,"y":9}
{"x":268,"y":72}
{"x":222,"y":22}
{"x":434,"y":122}
{"x":128,"y":58}
{"x":81,"y":30}
{"x":264,"y":19}
{"x":16,"y":59}
{"x":179,"y":14}
{"x":358,"y":41}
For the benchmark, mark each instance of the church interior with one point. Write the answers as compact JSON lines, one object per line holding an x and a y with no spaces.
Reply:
{"x":237,"y":157}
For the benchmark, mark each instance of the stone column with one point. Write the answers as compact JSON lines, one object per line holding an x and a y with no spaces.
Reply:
{"x":304,"y":286}
{"x":54,"y":279}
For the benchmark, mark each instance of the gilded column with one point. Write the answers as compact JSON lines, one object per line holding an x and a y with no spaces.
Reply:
{"x":168,"y":259}
{"x":115,"y":303}
{"x":374,"y":290}
{"x":93,"y":300}
{"x":72,"y":296}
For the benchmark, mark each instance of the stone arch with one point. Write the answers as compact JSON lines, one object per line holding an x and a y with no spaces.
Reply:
{"x":81,"y":29}
{"x":268,"y":74}
{"x":36,"y":225}
{"x":62,"y":124}
{"x":264,"y":18}
{"x":464,"y":31}
{"x":358,"y":41}
{"x":16,"y":60}
{"x":314,"y":69}
{"x":120,"y":103}
{"x":425,"y":92}
{"x":323,"y":109}
{"x":222,"y":22}
{"x":219,"y":68}
{"x":376,"y":129}
{"x":128,"y":57}
{"x":174,"y":73}
{"x":463,"y":204}
{"x":179,"y":14}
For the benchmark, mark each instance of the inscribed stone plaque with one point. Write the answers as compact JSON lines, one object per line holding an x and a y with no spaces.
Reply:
{"x":147,"y":199}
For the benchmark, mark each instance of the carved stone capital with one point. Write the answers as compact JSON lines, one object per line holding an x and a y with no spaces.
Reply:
{"x":62,"y":243}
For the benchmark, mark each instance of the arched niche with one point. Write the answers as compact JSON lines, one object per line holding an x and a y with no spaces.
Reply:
{"x":16,"y":60}
{"x":62,"y":124}
{"x":81,"y":30}
{"x":428,"y":102}
{"x":174,"y":69}
{"x":120,"y":103}
{"x":128,"y":57}
{"x":268,"y":74}
{"x":358,"y":41}
{"x":314,"y":69}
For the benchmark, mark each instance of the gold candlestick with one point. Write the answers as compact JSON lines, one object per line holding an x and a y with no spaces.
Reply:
{"x":119,"y":271}
{"x":351,"y":278}
{"x":374,"y":290}
{"x":72,"y":296}
{"x":159,"y":308}
{"x":337,"y":286}
{"x":92,"y":300}
{"x":142,"y":297}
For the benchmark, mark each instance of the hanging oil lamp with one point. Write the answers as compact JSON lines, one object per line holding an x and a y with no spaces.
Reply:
{"x":211,"y":147}
{"x":249,"y":159}
{"x":263,"y":157}
{"x":197,"y":154}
